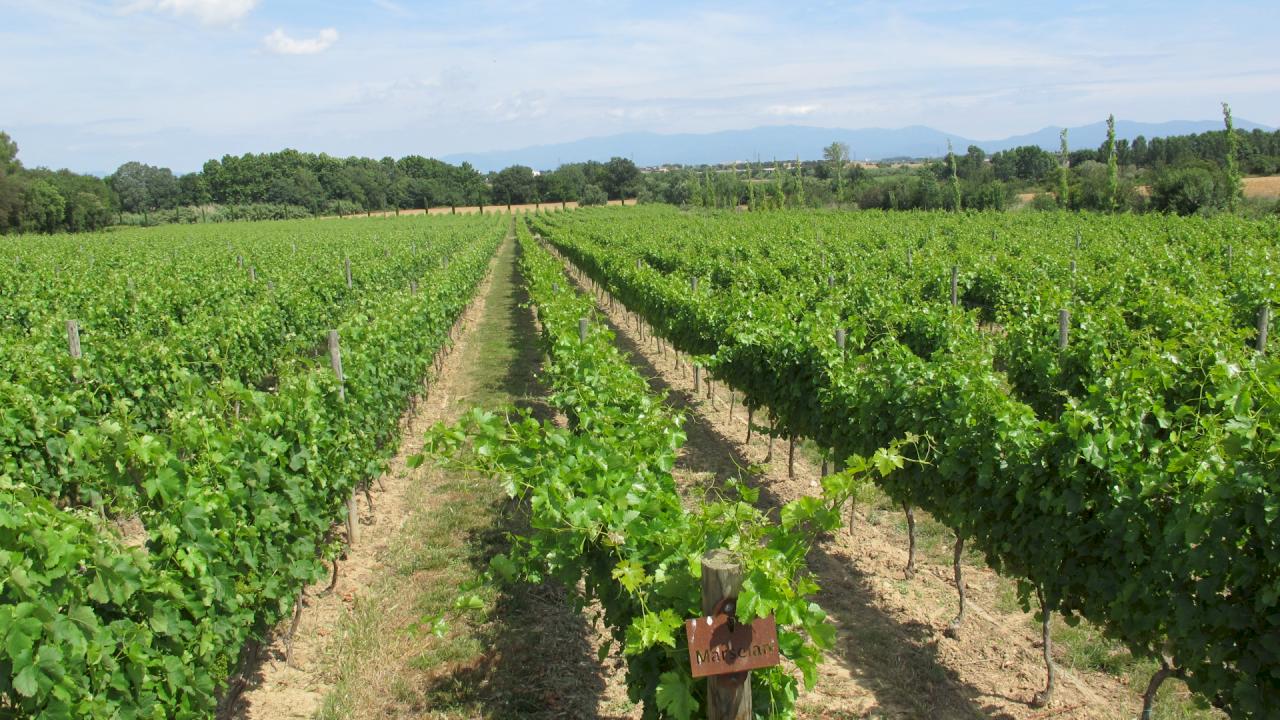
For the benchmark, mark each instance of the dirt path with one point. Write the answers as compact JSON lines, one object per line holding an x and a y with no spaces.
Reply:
{"x":892,"y":659}
{"x":371,"y":649}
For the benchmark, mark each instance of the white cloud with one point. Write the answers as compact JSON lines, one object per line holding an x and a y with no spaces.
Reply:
{"x":209,"y":12}
{"x":281,"y":44}
{"x":791,"y":110}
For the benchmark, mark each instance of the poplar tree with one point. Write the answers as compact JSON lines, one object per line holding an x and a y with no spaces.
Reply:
{"x":1064,"y":165}
{"x":955,"y":176}
{"x":1113,"y":166}
{"x":1233,"y":167}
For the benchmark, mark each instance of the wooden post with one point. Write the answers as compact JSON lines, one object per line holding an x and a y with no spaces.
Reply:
{"x":697,"y":379}
{"x":582,"y":329}
{"x":841,"y":337}
{"x":413,"y":287}
{"x":73,"y":339}
{"x":1073,"y":267}
{"x":335,"y":362}
{"x":1064,"y":328}
{"x":831,"y":281}
{"x":253,"y":275}
{"x":346,"y":268}
{"x":1264,"y":323}
{"x":955,"y":275}
{"x":1229,"y":255}
{"x":728,"y":696}
{"x":909,"y":261}
{"x":693,"y":283}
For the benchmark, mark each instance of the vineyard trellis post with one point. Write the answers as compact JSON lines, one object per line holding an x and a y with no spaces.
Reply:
{"x":1264,"y":324}
{"x":335,"y":362}
{"x":955,"y":278}
{"x":728,"y":696}
{"x":1064,"y":328}
{"x":73,"y":339}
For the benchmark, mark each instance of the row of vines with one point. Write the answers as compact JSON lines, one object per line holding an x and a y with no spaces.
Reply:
{"x":1091,"y":402}
{"x":607,"y":520}
{"x":169,"y":488}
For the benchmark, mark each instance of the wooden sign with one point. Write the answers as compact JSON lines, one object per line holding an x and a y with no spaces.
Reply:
{"x":719,"y":645}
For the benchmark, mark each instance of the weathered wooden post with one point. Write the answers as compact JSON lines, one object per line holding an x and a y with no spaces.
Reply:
{"x":346,"y":269}
{"x":1264,"y":323}
{"x":73,"y":339}
{"x":1064,"y":328}
{"x":335,"y":362}
{"x":582,"y":329}
{"x":728,"y":696}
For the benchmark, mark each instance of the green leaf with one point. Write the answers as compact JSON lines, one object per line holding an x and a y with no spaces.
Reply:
{"x":675,"y":696}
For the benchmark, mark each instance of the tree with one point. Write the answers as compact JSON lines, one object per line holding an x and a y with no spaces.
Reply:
{"x":1064,"y":169}
{"x":1232,"y":166}
{"x":955,"y":177}
{"x":9,"y":163}
{"x":193,"y":190}
{"x":43,"y":208}
{"x":621,"y":178}
{"x":1113,"y":168}
{"x":143,"y":188}
{"x":837,"y":156}
{"x":514,"y":185}
{"x":11,"y":186}
{"x":1191,"y":189}
{"x":593,"y":195}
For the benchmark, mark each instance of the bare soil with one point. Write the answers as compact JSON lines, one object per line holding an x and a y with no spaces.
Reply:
{"x":360,"y":651}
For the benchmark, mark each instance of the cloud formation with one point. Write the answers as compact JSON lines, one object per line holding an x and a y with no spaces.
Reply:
{"x":208,"y":12}
{"x":281,"y":44}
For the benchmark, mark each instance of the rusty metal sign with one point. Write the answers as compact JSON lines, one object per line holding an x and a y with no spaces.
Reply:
{"x":720,"y":645}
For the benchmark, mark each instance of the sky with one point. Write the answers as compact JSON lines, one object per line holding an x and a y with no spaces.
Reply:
{"x":91,"y":85}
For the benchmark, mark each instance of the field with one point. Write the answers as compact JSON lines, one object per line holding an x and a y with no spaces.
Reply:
{"x":495,"y":504}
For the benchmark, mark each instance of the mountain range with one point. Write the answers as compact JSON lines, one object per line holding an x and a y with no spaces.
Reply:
{"x":782,"y":142}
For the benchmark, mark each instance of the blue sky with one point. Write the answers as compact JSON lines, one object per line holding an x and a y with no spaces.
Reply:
{"x":90,"y":85}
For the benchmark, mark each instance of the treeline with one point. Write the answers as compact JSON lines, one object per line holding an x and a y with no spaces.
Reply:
{"x":322,"y":184}
{"x":283,"y":185}
{"x":1183,"y":174}
{"x":43,"y":200}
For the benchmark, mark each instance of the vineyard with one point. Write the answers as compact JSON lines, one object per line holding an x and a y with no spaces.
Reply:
{"x":193,"y":417}
{"x":177,"y":462}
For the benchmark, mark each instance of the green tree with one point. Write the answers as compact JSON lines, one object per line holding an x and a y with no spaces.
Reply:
{"x":11,"y":185}
{"x":1113,"y":167}
{"x":593,"y":195}
{"x":1232,"y":165}
{"x":621,"y":178}
{"x":514,"y":185}
{"x":837,"y":156}
{"x":1064,"y":171}
{"x":955,"y":177}
{"x":43,"y":208}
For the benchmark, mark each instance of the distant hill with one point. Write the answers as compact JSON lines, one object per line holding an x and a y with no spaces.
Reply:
{"x":789,"y":141}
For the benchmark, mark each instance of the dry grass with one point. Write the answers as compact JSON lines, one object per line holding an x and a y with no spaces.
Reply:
{"x":1267,"y":188}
